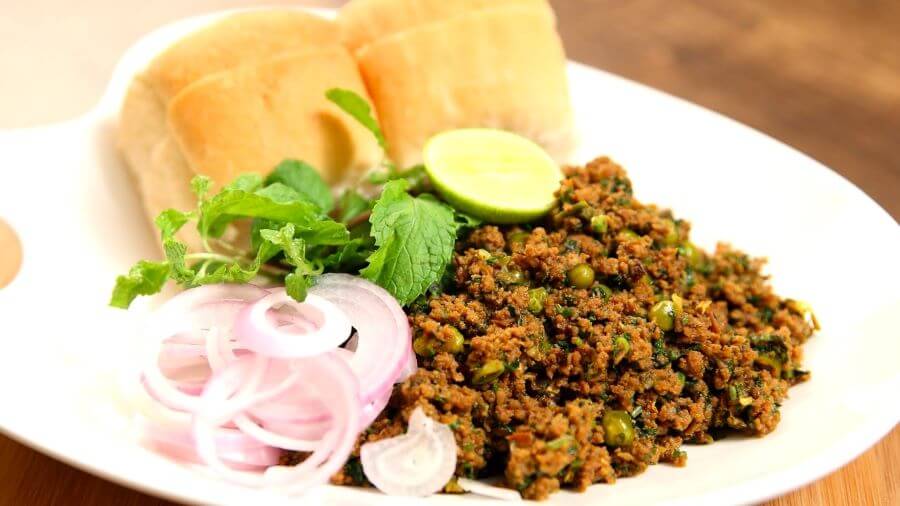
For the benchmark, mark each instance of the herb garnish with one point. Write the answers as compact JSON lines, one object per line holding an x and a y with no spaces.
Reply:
{"x":298,"y":230}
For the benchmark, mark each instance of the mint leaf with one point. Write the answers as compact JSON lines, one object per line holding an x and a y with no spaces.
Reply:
{"x":270,"y":203}
{"x":256,"y":241}
{"x":306,"y":181}
{"x":359,"y":109}
{"x":232,"y":271}
{"x":170,"y":221}
{"x":294,"y":249}
{"x":145,"y":278}
{"x":351,"y":204}
{"x":464,"y":220}
{"x":297,"y":282}
{"x":200,"y":186}
{"x":227,"y":273}
{"x":415,"y":238}
{"x":349,"y":257}
{"x":288,"y":216}
{"x":247,"y":182}
{"x":414,"y":175}
{"x":175,"y":256}
{"x":326,"y":232}
{"x":296,"y":285}
{"x":283,"y":194}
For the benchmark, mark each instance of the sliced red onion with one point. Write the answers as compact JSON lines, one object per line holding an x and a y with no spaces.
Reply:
{"x":418,"y":463}
{"x":280,"y":440}
{"x":337,"y":385}
{"x":205,"y":426}
{"x":235,"y":448}
{"x":383,"y":353}
{"x":180,"y":315}
{"x":479,"y":488}
{"x":180,"y":434}
{"x":218,"y":349}
{"x":409,"y":368}
{"x":245,"y":373}
{"x":371,"y":411}
{"x":384,"y":333}
{"x":186,"y":311}
{"x":329,"y":376}
{"x":253,"y":459}
{"x":256,"y":332}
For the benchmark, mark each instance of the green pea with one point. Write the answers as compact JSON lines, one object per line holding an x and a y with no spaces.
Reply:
{"x":618,"y":428}
{"x":424,"y":346}
{"x":560,"y":442}
{"x":671,"y":238}
{"x":770,"y":362}
{"x":501,"y":259}
{"x":452,"y":487}
{"x":511,"y":277}
{"x":663,"y":314}
{"x":517,"y":240}
{"x":602,"y":290}
{"x":599,"y":224}
{"x":627,"y":235}
{"x":536,"y":299}
{"x":805,"y":310}
{"x":581,"y":276}
{"x":621,"y":348}
{"x":681,"y":378}
{"x":581,"y":208}
{"x":489,"y":371}
{"x":693,"y":255}
{"x":456,"y":342}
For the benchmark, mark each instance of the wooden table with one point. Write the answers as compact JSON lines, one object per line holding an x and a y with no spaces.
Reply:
{"x":823,"y":77}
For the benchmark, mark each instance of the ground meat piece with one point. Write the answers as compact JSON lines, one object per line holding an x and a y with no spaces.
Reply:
{"x":571,"y":355}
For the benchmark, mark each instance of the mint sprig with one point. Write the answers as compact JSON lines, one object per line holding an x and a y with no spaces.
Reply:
{"x":402,"y":242}
{"x":415,"y":237}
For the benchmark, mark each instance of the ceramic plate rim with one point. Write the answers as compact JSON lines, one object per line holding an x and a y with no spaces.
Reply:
{"x":754,"y":490}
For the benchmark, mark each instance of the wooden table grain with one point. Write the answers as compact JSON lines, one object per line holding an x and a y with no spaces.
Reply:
{"x":823,"y":77}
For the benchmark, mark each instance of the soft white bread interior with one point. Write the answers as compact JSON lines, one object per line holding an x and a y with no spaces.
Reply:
{"x":240,"y":96}
{"x":365,"y":21}
{"x":502,"y":67}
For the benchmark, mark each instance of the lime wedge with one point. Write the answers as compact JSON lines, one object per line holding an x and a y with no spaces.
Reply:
{"x":494,"y":175}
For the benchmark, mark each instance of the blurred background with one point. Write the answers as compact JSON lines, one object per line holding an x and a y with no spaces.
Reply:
{"x":822,"y":76}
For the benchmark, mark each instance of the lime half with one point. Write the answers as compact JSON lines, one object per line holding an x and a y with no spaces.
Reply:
{"x":494,"y":175}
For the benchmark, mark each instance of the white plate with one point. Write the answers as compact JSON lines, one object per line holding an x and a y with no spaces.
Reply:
{"x":65,"y":190}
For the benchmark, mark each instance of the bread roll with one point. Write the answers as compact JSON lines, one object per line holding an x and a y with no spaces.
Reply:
{"x":242,"y":38}
{"x":240,"y":96}
{"x":251,"y":118}
{"x":365,"y":21}
{"x":157,"y":167}
{"x":502,"y":67}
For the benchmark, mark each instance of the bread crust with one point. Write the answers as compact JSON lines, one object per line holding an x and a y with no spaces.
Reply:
{"x":251,"y":118}
{"x":155,"y":164}
{"x":365,"y":21}
{"x":240,"y":96}
{"x":236,"y":40}
{"x":502,"y":67}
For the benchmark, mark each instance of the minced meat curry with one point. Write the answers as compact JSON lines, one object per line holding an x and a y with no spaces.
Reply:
{"x":594,"y":343}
